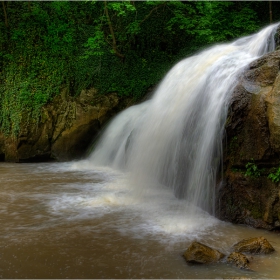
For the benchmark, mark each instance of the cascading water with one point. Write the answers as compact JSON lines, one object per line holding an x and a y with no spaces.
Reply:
{"x":175,"y":139}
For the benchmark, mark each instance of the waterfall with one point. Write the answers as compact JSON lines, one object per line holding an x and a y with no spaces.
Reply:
{"x":175,"y":138}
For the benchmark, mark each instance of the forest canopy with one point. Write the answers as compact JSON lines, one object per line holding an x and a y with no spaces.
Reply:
{"x":114,"y":46}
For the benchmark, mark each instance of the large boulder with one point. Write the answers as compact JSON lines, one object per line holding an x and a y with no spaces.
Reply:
{"x":254,"y":245}
{"x":252,"y":148}
{"x":65,"y":130}
{"x":201,"y":254}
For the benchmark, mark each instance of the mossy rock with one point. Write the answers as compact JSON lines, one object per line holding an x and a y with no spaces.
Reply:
{"x":199,"y":253}
{"x":239,"y":260}
{"x":255,"y":245}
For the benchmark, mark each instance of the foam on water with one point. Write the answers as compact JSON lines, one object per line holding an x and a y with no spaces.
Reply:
{"x":73,"y":192}
{"x":154,"y":213}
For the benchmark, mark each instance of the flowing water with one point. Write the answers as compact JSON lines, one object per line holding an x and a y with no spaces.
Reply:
{"x":175,"y":139}
{"x":145,"y":193}
{"x":60,"y":221}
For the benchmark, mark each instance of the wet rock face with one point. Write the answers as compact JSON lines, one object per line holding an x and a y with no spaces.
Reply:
{"x":67,"y":127}
{"x":253,"y":139}
{"x":255,"y":245}
{"x":198,"y":253}
{"x":239,"y":260}
{"x":277,"y":38}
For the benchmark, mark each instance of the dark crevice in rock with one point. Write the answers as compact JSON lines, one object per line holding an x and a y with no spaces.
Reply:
{"x":2,"y":157}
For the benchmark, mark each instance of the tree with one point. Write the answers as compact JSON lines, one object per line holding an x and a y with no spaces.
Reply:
{"x":115,"y":46}
{"x":5,"y":13}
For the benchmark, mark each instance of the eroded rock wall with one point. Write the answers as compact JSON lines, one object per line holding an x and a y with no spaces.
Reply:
{"x":66,"y":129}
{"x":252,"y":148}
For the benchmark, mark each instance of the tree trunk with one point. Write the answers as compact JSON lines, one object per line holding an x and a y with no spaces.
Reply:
{"x":270,"y":11}
{"x":115,"y":48}
{"x":5,"y":13}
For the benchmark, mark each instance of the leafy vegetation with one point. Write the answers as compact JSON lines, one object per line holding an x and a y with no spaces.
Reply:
{"x":275,"y":177}
{"x":252,"y":170}
{"x":124,"y":47}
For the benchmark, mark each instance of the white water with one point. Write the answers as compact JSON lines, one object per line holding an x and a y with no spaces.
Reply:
{"x":174,"y":140}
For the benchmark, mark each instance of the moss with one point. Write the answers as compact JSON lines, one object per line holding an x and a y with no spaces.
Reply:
{"x":233,"y":143}
{"x":256,"y":212}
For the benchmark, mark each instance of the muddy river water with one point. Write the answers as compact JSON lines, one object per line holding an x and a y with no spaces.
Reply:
{"x":68,"y":220}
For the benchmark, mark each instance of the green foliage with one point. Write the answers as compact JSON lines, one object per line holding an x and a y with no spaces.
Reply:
{"x":252,"y":170}
{"x":275,"y":177}
{"x":114,"y":46}
{"x":36,"y":63}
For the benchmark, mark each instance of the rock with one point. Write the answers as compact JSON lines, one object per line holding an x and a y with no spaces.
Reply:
{"x":66,"y":129}
{"x":255,"y":245}
{"x":253,"y":136}
{"x":238,"y":260}
{"x":200,"y":254}
{"x":277,"y":38}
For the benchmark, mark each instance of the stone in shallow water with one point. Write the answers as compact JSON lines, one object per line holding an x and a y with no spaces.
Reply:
{"x":200,"y":254}
{"x":239,"y":260}
{"x":255,"y":245}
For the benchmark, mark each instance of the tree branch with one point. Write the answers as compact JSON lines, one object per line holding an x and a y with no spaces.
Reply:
{"x":144,"y":19}
{"x":150,"y":13}
{"x":115,"y":48}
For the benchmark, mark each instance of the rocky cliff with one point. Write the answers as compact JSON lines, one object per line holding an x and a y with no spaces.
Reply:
{"x":247,"y":194}
{"x":65,"y":130}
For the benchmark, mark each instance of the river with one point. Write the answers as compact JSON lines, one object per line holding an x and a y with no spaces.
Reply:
{"x":68,"y":220}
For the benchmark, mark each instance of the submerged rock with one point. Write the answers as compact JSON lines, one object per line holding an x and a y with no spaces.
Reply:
{"x":239,"y":260}
{"x":255,"y":245}
{"x":201,"y":254}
